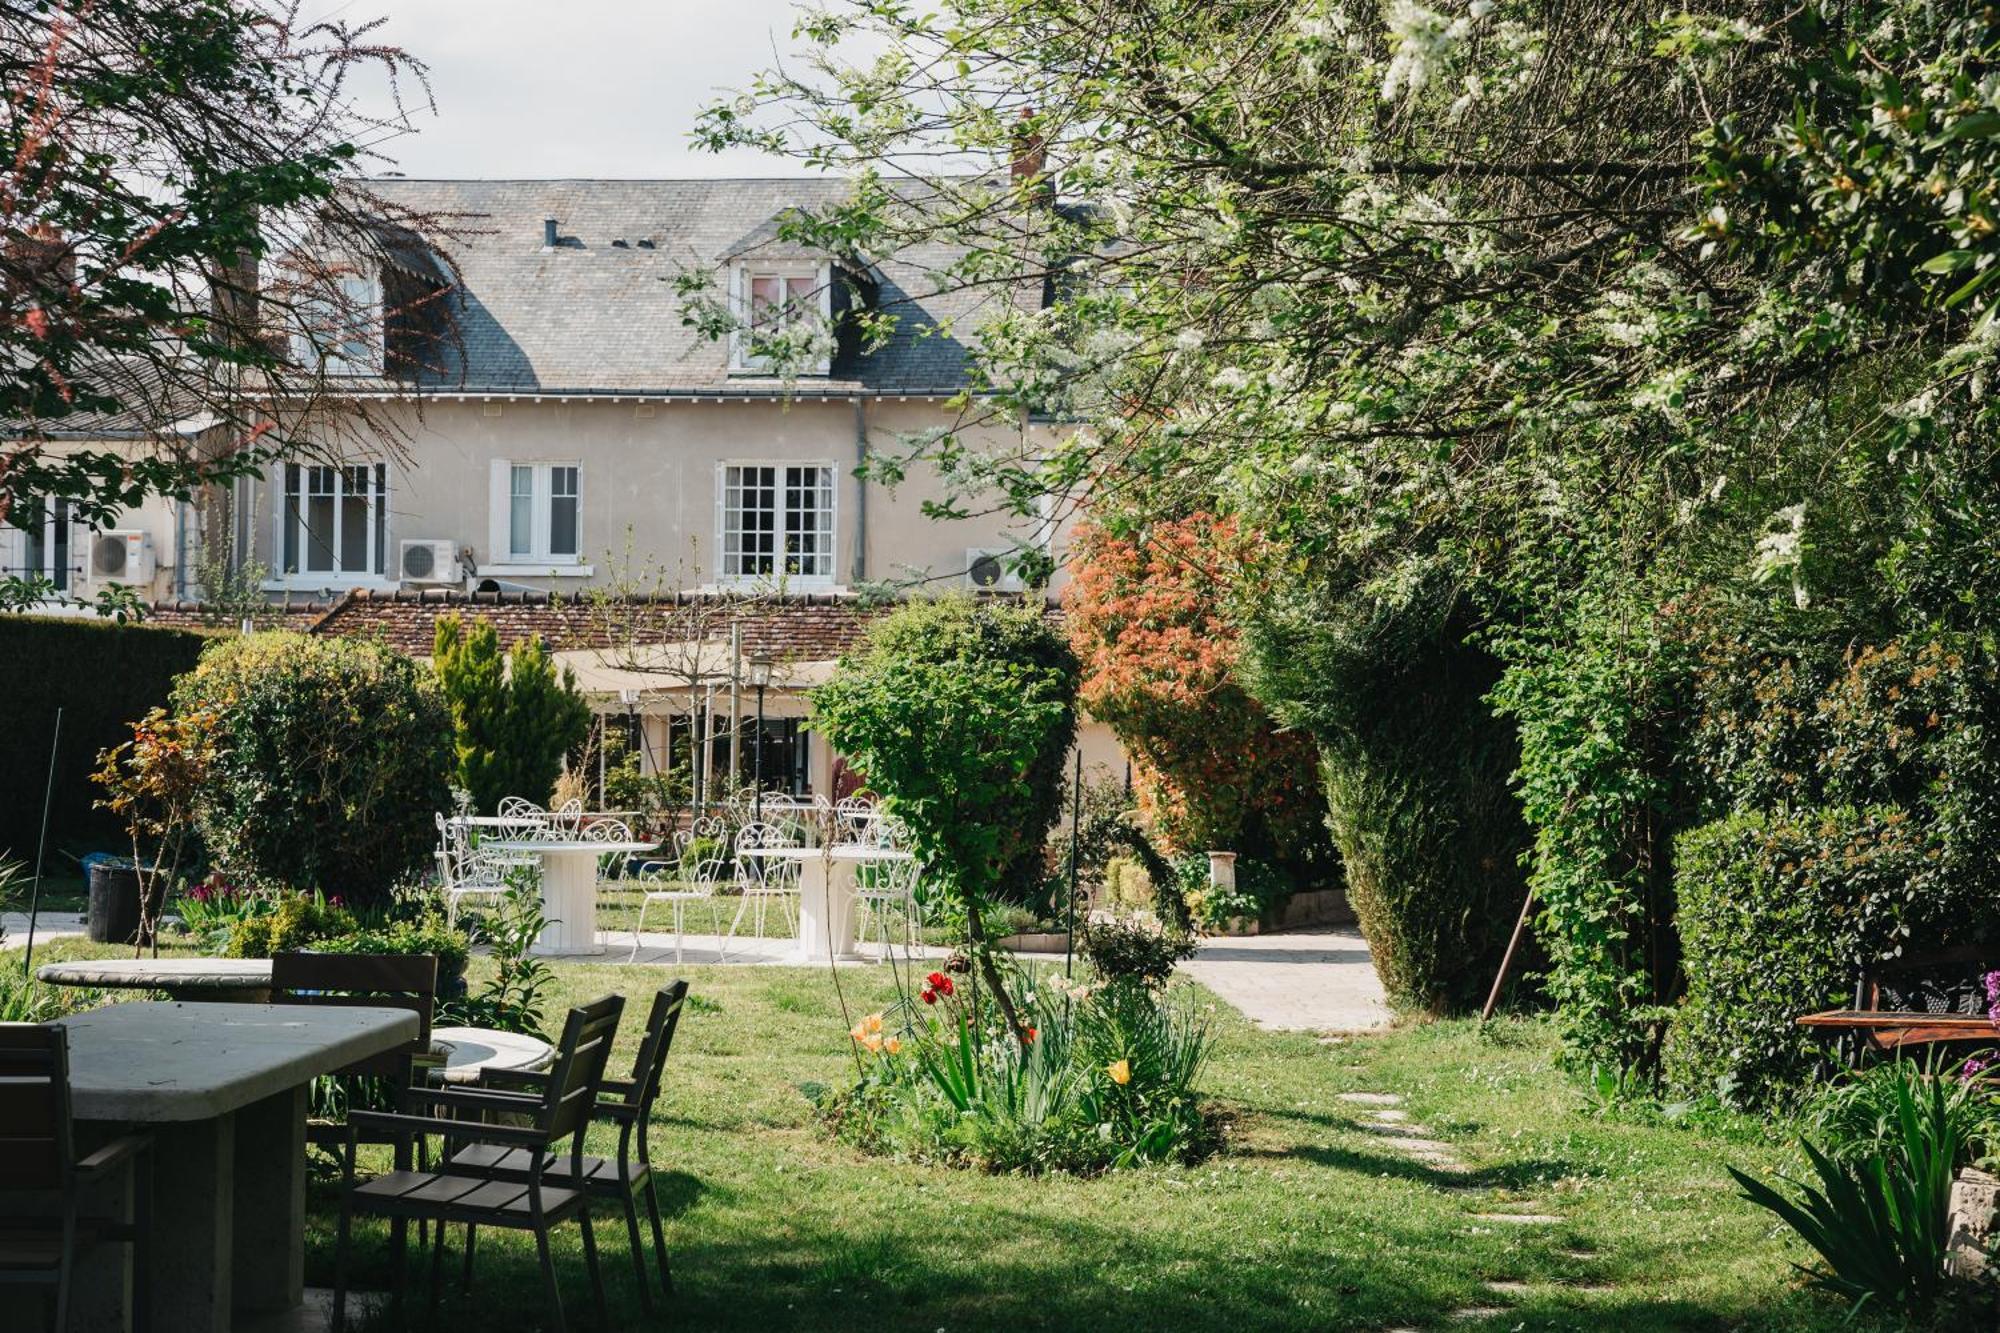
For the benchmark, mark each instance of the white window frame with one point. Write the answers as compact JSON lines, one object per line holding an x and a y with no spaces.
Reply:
{"x":727,"y":578}
{"x":541,"y":513}
{"x":361,"y":291}
{"x":742,"y":273}
{"x":381,"y":531}
{"x":57,"y":512}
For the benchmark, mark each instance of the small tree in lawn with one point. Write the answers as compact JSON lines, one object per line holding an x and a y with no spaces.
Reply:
{"x":514,"y":717}
{"x":950,"y":746}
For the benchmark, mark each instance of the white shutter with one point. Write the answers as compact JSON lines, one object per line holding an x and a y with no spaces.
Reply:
{"x":499,"y":477}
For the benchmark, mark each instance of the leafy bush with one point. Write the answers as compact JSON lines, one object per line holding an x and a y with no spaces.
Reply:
{"x":1128,"y":884}
{"x":1134,"y":954}
{"x":427,"y":934}
{"x":1415,"y":769}
{"x":333,"y":756}
{"x":515,"y":717}
{"x":1148,"y":617}
{"x":1259,"y":887}
{"x":961,"y":716}
{"x":1107,"y":1080}
{"x":1777,"y":916}
{"x":513,"y":999}
{"x":1104,"y":827}
{"x":959,"y":632}
{"x":1877,"y":1216}
{"x":292,"y":921}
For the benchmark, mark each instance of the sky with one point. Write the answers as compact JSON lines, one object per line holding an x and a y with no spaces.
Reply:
{"x":541,"y":88}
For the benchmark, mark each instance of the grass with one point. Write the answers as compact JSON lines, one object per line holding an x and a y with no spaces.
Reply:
{"x":1307,"y":1222}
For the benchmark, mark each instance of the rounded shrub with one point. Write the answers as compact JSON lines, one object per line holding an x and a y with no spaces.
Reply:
{"x":333,"y":757}
{"x":1778,"y":916}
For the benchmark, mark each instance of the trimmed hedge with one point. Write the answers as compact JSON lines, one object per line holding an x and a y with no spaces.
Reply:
{"x":103,"y":676}
{"x":1778,"y":915}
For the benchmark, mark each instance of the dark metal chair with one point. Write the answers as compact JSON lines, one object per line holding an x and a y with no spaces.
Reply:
{"x":37,"y":1156}
{"x":626,"y":1103}
{"x":561,"y":1111}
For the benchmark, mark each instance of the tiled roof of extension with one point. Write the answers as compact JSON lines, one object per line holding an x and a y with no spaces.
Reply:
{"x":598,"y":314}
{"x":794,"y":627}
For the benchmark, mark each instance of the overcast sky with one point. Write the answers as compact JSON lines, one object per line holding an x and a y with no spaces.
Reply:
{"x":574,"y":87}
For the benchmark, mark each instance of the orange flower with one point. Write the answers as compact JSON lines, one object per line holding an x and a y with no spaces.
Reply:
{"x":1120,"y":1071}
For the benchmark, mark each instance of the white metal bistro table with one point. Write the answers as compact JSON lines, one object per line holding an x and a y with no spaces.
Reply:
{"x":569,"y":887}
{"x":827,"y":877}
{"x":222,"y":1088}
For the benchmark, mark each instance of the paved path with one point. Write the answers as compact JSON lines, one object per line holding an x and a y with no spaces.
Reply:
{"x":1315,"y":981}
{"x":48,"y":926}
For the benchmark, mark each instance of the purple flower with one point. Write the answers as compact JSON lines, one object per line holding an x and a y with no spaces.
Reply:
{"x":1993,"y":996}
{"x":1974,"y":1065}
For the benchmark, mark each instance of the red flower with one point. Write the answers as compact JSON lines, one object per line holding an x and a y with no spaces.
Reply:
{"x":1030,"y":1038}
{"x":927,"y":995}
{"x":936,"y":979}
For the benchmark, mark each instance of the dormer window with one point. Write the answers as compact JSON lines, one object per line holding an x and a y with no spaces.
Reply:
{"x":784,"y":319}
{"x":339,"y":325}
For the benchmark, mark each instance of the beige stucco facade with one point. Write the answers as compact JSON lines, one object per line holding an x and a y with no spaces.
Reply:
{"x":649,"y":490}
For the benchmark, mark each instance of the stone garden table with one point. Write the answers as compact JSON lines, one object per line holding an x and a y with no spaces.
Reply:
{"x":828,"y":877}
{"x":182,"y":978}
{"x":569,"y":887}
{"x":222,"y":1088}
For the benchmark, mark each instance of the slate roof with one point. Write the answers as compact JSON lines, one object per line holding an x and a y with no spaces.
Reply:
{"x":589,"y":316}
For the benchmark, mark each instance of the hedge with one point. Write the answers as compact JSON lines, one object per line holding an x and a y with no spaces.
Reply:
{"x":1778,"y":915}
{"x":102,"y":675}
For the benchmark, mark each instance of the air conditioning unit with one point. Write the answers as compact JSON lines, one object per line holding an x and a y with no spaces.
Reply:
{"x":121,"y":556}
{"x":988,"y":571}
{"x":428,"y":562}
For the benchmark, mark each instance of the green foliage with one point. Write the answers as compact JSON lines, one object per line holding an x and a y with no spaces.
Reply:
{"x":131,"y":669}
{"x":1415,"y":770}
{"x":514,"y":718}
{"x":425,"y":934}
{"x":1259,"y":887}
{"x":1861,"y":1115}
{"x":514,"y":998}
{"x":1108,"y":1081}
{"x":1103,"y":828}
{"x":951,"y":631}
{"x":1777,"y":916}
{"x":333,"y":757}
{"x":1879,"y":1223}
{"x":293,"y":922}
{"x":1134,"y":955}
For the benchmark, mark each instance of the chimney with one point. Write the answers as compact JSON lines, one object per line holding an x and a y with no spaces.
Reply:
{"x":232,"y":297}
{"x":1030,"y":160}
{"x":549,"y":233}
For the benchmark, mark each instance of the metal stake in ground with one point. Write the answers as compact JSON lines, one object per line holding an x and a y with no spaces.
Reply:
{"x":1075,"y":839}
{"x":1507,"y":959}
{"x":41,"y":849}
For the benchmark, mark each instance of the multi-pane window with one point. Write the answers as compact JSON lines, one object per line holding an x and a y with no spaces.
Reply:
{"x":773,"y":304}
{"x":45,"y":543}
{"x":542,"y":519}
{"x":340,"y":330}
{"x":335,"y":519}
{"x":777,"y":520}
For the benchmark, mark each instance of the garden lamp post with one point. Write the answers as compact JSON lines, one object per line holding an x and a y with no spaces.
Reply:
{"x":760,"y":676}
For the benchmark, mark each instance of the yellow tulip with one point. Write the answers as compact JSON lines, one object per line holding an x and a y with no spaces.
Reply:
{"x":1120,"y":1071}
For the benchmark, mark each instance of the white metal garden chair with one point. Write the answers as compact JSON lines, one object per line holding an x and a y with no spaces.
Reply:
{"x":694,"y":882}
{"x":763,"y":879}
{"x":465,"y":871}
{"x":886,"y":897}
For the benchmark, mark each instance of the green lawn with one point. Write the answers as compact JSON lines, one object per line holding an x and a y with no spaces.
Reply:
{"x":1307,"y":1222}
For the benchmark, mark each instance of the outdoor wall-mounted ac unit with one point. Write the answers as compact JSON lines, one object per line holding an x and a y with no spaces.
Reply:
{"x":428,"y":561}
{"x":988,"y":570}
{"x":122,"y":555}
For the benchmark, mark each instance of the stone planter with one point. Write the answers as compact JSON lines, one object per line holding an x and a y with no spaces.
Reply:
{"x":113,"y":916}
{"x":1222,"y":871}
{"x":1975,"y":1199}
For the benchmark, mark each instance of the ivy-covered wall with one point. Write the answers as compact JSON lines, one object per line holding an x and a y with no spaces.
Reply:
{"x":101,"y":675}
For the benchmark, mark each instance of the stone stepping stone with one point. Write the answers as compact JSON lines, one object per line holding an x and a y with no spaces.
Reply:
{"x":1391,"y":1117}
{"x":1472,"y":1312}
{"x":1578,"y":1254}
{"x":1371,"y":1098}
{"x":1520,"y":1219}
{"x":1508,"y":1287}
{"x":1391,"y":1130}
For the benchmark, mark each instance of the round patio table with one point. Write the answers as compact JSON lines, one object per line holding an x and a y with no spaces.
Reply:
{"x":569,"y":887}
{"x":827,"y":880}
{"x":242,"y":979}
